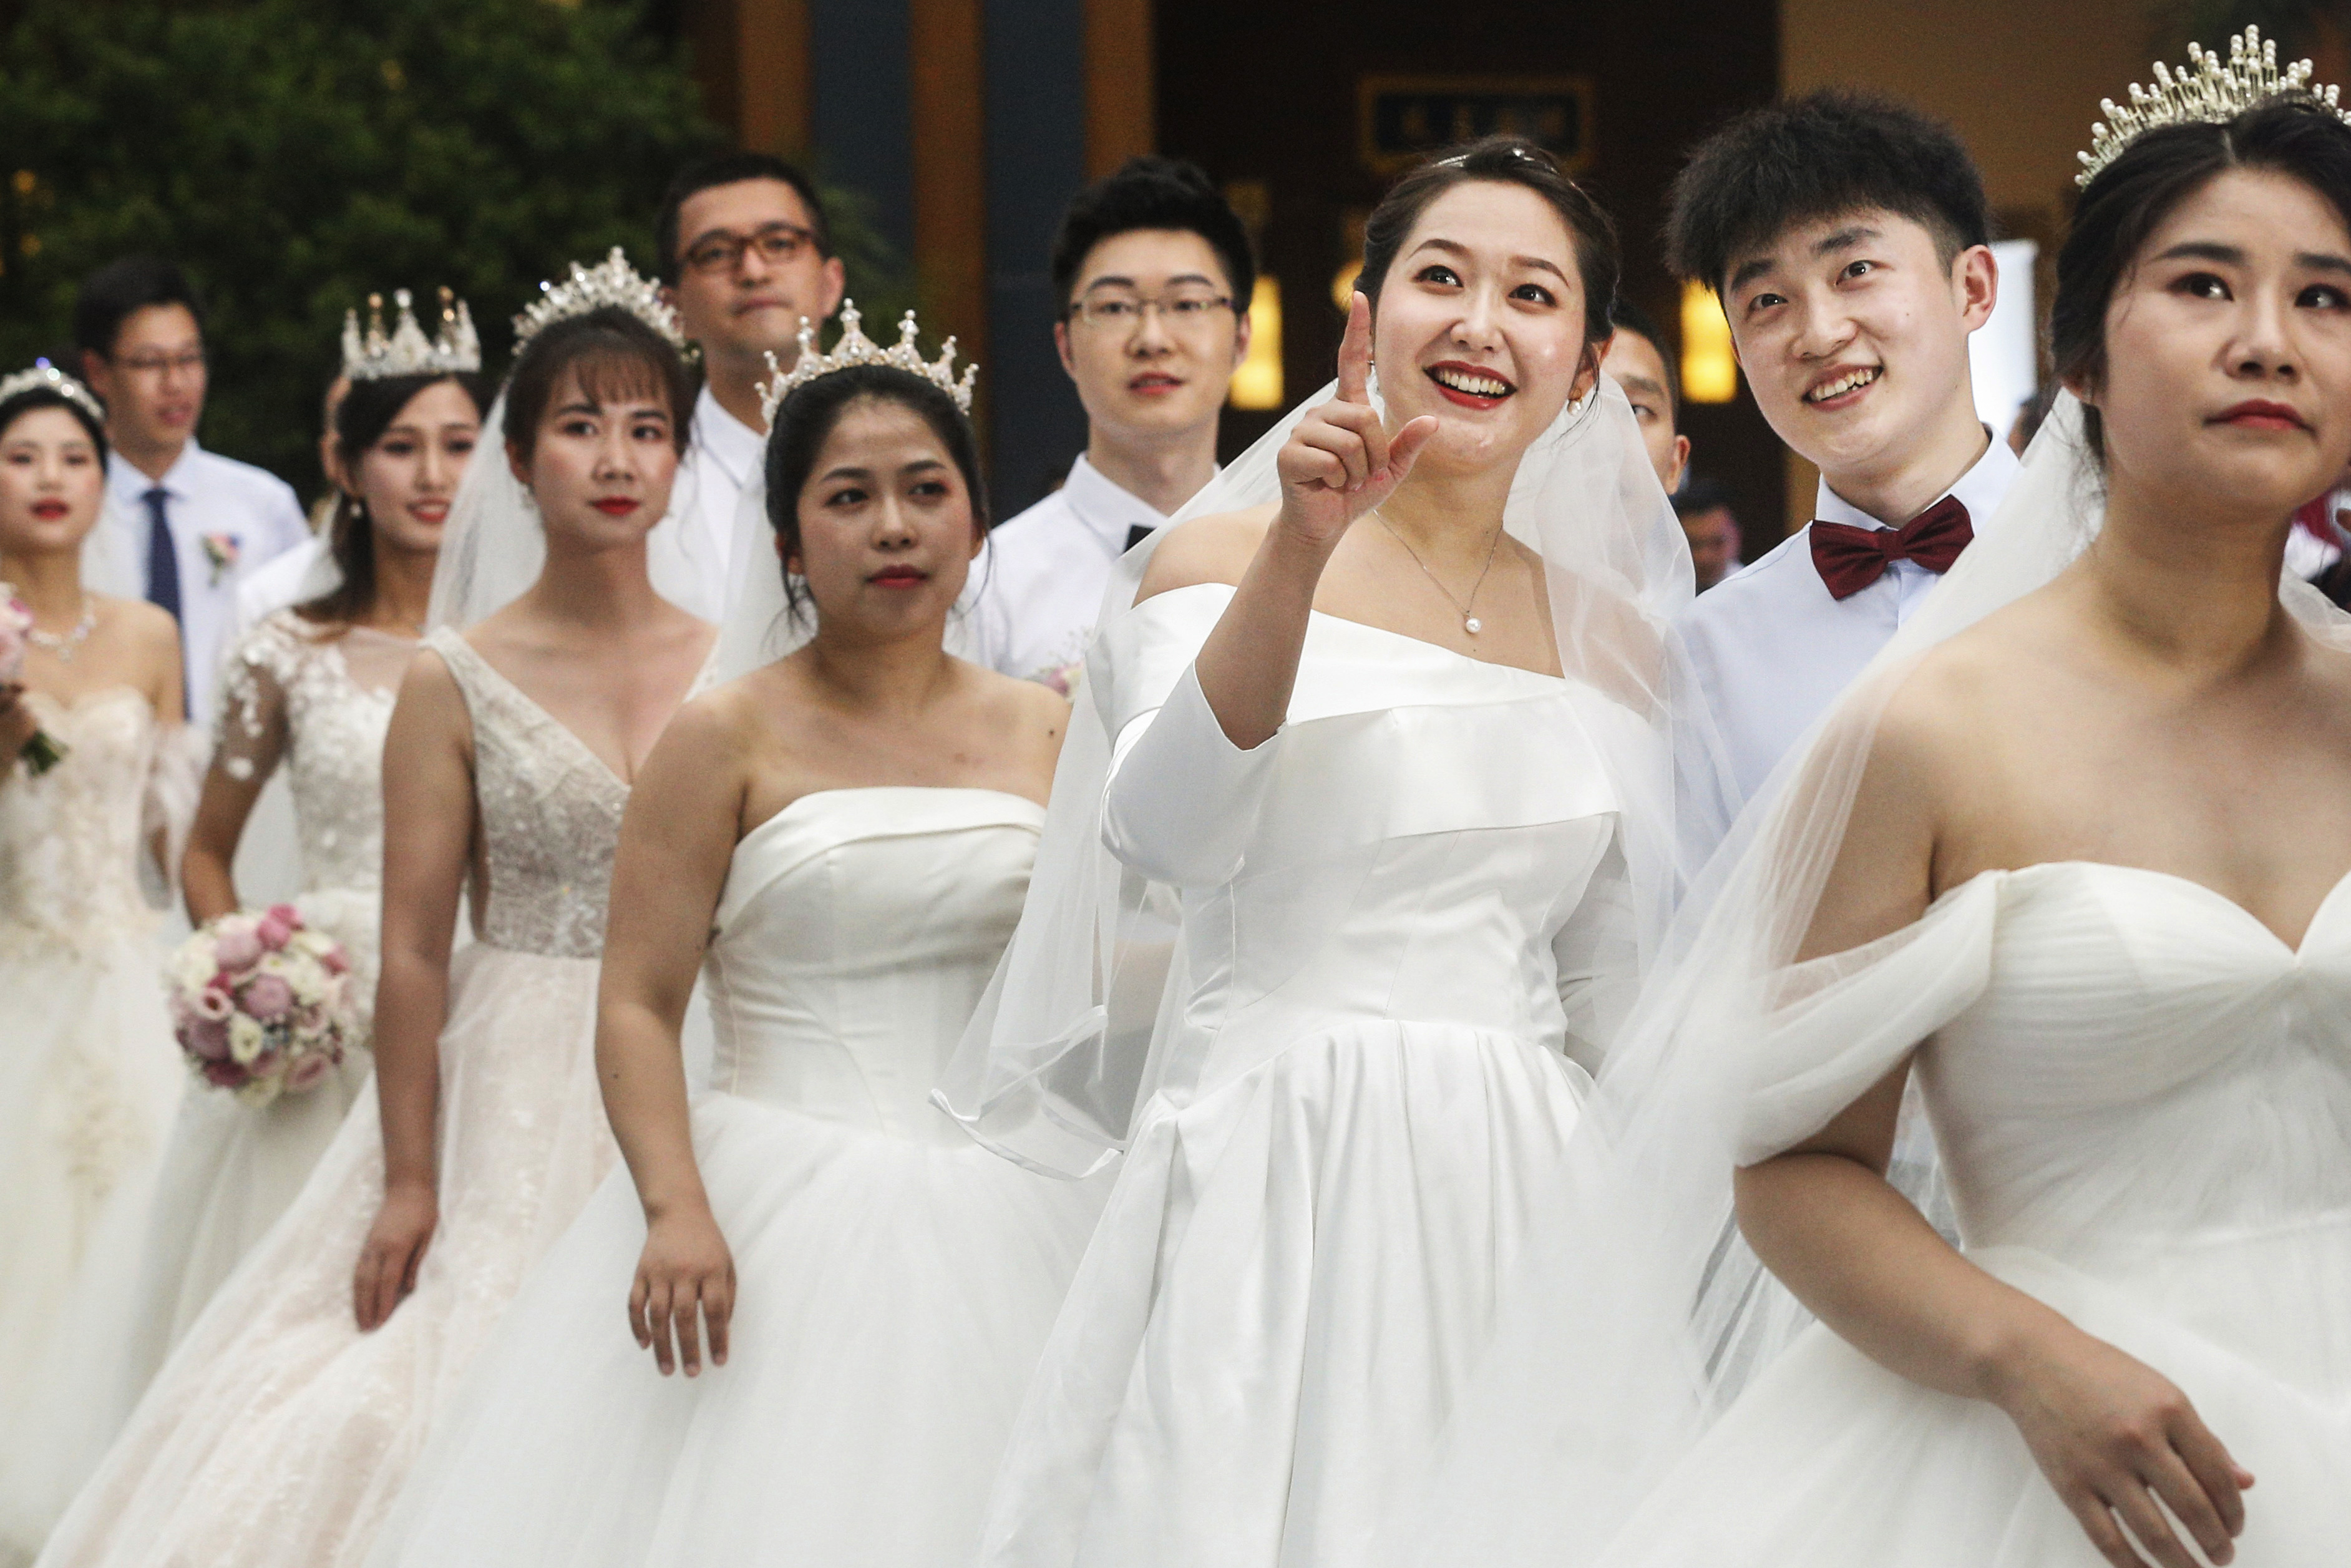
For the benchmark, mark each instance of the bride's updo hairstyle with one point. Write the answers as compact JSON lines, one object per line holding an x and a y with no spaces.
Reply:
{"x":2132,"y":197}
{"x":615,"y":357}
{"x":367,"y":411}
{"x":1510,"y":161}
{"x":805,"y":420}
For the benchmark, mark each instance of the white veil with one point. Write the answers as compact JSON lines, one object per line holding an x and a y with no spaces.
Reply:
{"x":494,"y":548}
{"x":1061,"y":1053}
{"x":1644,"y":1312}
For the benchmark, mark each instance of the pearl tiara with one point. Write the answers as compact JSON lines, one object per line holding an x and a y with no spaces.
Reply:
{"x":45,"y":376}
{"x":854,"y":348}
{"x":611,"y":281}
{"x":407,"y":352}
{"x":2207,"y":91}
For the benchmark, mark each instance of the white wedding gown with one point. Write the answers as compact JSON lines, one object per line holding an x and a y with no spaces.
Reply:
{"x":317,"y":703}
{"x":277,"y":1434}
{"x":896,"y":1282}
{"x":2143,"y":1101}
{"x":1397,"y":915}
{"x":92,"y":1077}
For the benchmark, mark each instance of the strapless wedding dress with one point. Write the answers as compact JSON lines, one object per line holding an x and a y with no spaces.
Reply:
{"x":2143,"y":1101}
{"x":318,"y":705}
{"x":896,"y":1281}
{"x":1399,"y":916}
{"x":276,"y":1434}
{"x":91,"y":1077}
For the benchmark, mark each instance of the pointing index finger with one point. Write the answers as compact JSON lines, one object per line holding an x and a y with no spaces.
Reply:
{"x":1355,"y":351}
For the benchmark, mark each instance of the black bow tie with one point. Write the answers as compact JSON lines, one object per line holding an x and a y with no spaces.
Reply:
{"x":1136,"y":533}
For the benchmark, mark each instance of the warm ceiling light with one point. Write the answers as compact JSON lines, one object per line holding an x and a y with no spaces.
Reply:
{"x":1256,"y":384}
{"x":1709,"y":370}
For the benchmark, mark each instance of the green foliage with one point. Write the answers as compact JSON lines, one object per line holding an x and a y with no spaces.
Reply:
{"x":294,"y":156}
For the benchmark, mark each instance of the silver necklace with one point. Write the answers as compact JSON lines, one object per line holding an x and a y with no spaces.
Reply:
{"x":64,"y":647}
{"x":1470,"y":623}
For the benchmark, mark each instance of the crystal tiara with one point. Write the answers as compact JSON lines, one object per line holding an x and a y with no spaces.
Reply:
{"x":2208,"y":92}
{"x":854,"y":348}
{"x":46,"y":376}
{"x":611,"y":281}
{"x":408,"y":352}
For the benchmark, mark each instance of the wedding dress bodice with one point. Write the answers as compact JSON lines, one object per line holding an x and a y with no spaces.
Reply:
{"x":320,"y":706}
{"x":550,"y":815}
{"x":69,"y":839}
{"x":856,"y":932}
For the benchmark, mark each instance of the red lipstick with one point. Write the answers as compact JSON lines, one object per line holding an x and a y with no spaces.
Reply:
{"x":617,"y":505}
{"x":899,"y":577}
{"x":2260,"y":414}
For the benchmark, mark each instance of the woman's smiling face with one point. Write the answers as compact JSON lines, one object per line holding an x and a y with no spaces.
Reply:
{"x":1480,"y":323}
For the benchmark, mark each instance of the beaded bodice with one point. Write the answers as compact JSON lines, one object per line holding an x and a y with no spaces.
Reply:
{"x":550,"y":815}
{"x":319,"y":705}
{"x":69,"y":838}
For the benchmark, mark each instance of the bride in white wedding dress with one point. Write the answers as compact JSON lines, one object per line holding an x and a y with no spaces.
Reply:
{"x":311,"y":689}
{"x":281,"y":1427}
{"x":856,"y":1292}
{"x":2077,"y":853}
{"x":1389,"y":746}
{"x":93,"y":1073}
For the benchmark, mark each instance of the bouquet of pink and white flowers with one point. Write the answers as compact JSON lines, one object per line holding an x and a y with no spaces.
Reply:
{"x":41,"y":753}
{"x":261,"y":1004}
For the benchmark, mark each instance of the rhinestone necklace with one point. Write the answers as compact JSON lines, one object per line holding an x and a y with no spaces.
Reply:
{"x":1470,"y":622}
{"x":64,"y":647}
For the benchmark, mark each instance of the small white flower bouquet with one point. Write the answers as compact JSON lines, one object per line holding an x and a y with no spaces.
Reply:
{"x":261,"y":1004}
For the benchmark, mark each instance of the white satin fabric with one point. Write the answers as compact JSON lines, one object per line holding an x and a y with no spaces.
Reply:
{"x":1396,"y":918}
{"x":2143,"y":1101}
{"x":896,"y":1281}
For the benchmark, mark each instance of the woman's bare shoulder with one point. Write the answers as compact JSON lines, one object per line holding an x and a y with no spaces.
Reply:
{"x":1214,"y":549}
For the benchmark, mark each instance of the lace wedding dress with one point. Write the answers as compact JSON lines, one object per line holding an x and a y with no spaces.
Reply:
{"x":92,"y":1079}
{"x":277,"y":1434}
{"x":1401,"y":917}
{"x":896,"y":1281}
{"x":315,"y":701}
{"x":2142,"y":1096}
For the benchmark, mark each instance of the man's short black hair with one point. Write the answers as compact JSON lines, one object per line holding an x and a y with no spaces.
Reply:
{"x":1831,"y":152}
{"x":1697,"y":495}
{"x":1627,"y":317}
{"x":110,"y":295}
{"x":1152,"y":193}
{"x":731,"y":168}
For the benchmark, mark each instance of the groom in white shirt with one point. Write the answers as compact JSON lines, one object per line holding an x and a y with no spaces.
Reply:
{"x":1848,"y":240}
{"x":183,"y":526}
{"x":1155,"y":274}
{"x":745,"y":252}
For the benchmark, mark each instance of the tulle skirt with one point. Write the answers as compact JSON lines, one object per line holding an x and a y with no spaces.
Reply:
{"x":92,"y":1079}
{"x":231,"y":1169}
{"x":276,"y":1434}
{"x":1294,"y":1277}
{"x":893,"y":1299}
{"x":1832,"y":1461}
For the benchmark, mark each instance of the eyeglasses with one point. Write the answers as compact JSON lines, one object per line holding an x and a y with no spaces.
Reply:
{"x":1124,"y":311}
{"x":158,"y":364}
{"x":776,"y":242}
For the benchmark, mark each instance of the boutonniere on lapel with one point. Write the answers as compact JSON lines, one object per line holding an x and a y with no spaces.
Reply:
{"x":220,"y":550}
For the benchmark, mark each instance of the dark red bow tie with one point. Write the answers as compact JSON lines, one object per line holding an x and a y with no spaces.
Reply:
{"x":1850,"y":559}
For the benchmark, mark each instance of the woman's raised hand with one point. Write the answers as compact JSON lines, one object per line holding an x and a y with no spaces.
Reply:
{"x":1340,"y":461}
{"x":686,"y":1264}
{"x":2114,"y":1436}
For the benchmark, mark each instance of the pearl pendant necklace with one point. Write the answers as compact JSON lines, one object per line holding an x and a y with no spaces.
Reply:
{"x":64,"y":647}
{"x":1470,"y":621}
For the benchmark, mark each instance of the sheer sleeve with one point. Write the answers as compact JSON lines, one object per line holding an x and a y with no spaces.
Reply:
{"x":249,"y":737}
{"x":1183,"y":800}
{"x":1598,"y":957}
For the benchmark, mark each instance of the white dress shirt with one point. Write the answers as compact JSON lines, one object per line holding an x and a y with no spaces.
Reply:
{"x":689,"y":554}
{"x":1772,"y":650}
{"x":228,"y":519}
{"x":1041,"y":577}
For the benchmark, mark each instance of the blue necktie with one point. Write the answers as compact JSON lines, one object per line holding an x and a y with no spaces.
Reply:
{"x":163,"y":556}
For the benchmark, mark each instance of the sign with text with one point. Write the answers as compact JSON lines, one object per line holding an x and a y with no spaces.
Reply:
{"x":1402,"y":120}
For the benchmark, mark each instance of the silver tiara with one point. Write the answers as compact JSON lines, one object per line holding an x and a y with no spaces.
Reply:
{"x":854,"y":348}
{"x":48,"y":377}
{"x":611,"y":281}
{"x":407,"y":352}
{"x":2207,"y":91}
